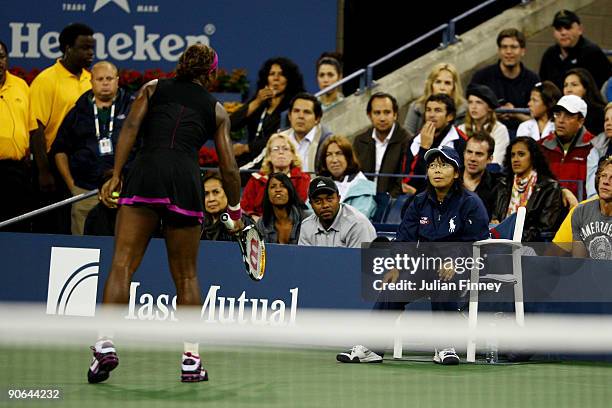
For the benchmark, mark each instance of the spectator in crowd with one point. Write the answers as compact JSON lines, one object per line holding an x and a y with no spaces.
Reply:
{"x":477,"y":155}
{"x":381,"y":148}
{"x":338,"y":161}
{"x":567,"y":148}
{"x":84,"y":148}
{"x":572,"y":49}
{"x":438,"y":131}
{"x":482,"y":103}
{"x":444,"y":212}
{"x":443,"y":78}
{"x":529,"y":183}
{"x":544,"y":97}
{"x":602,"y":149}
{"x":52,"y":94}
{"x":14,"y":145}
{"x":279,"y":80}
{"x":596,"y":242}
{"x":280,"y":157}
{"x":333,"y":224}
{"x":329,"y":71}
{"x":606,"y":90}
{"x":306,"y":132}
{"x":283,"y":211}
{"x":563,"y":236}
{"x":215,"y":204}
{"x":508,"y":78}
{"x":579,"y":82}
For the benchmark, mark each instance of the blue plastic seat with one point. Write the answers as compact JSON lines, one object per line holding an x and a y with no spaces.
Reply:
{"x":394,"y":215}
{"x":382,"y":203}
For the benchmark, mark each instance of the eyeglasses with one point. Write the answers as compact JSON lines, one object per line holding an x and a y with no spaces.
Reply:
{"x":442,"y":166}
{"x":566,"y":115}
{"x":283,"y":149}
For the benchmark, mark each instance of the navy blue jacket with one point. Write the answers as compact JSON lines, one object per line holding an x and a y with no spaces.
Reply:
{"x":461,"y":217}
{"x":76,"y":138}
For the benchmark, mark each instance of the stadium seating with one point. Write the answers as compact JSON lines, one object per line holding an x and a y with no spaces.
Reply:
{"x":382,"y":203}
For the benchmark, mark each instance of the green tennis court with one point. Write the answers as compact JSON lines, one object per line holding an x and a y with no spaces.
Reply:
{"x":255,"y":377}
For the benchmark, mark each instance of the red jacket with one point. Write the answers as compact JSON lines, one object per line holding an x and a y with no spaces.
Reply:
{"x":253,"y":194}
{"x":570,"y":166}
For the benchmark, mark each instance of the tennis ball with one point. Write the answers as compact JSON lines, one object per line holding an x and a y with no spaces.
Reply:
{"x":115,"y":194}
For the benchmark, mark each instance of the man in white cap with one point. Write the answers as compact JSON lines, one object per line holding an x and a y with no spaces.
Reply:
{"x":569,"y":145}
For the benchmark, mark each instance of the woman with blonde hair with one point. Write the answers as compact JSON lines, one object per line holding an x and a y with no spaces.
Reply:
{"x":443,"y":78}
{"x":482,"y":103}
{"x":280,"y":157}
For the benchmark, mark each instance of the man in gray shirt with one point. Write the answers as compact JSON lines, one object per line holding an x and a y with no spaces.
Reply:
{"x":333,"y":224}
{"x":592,"y":220}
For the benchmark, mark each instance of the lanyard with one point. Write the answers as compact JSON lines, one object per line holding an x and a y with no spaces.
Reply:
{"x":260,"y":125}
{"x":97,"y":122}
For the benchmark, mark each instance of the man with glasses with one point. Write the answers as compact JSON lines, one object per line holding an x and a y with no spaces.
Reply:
{"x":569,"y":145}
{"x":84,"y":148}
{"x":508,"y":78}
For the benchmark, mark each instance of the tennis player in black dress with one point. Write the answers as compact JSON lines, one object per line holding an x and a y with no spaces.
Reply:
{"x":173,"y":117}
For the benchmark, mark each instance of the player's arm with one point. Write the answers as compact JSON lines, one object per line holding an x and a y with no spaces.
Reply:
{"x":127,"y":138}
{"x":227,"y":163}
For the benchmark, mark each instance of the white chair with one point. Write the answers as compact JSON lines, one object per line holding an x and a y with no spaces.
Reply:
{"x":516,"y":278}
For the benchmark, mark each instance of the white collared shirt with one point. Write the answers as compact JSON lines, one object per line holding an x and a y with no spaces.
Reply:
{"x":530,"y":128}
{"x":302,"y":147}
{"x":381,"y":147}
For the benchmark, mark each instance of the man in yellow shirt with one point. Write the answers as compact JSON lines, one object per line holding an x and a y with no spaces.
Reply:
{"x":14,"y":145}
{"x":52,"y":94}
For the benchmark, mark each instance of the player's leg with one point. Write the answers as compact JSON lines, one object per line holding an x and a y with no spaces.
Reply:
{"x":133,"y":231}
{"x":135,"y":226}
{"x":182,"y":244}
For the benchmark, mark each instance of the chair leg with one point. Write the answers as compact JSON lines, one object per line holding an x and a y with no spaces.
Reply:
{"x":473,"y":310}
{"x":517,"y":269}
{"x":397,"y":341}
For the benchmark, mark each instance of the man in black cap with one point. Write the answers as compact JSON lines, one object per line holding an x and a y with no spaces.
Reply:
{"x":333,"y":224}
{"x":572,"y":50}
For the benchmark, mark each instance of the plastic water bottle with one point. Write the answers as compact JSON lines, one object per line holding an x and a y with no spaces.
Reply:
{"x":492,"y":346}
{"x":491,"y":355}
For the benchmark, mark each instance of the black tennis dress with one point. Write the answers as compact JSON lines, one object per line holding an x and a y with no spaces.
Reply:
{"x":180,"y":118}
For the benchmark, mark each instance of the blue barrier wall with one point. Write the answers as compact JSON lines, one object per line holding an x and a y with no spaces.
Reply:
{"x":69,"y":272}
{"x":152,"y":34}
{"x":325,"y":277}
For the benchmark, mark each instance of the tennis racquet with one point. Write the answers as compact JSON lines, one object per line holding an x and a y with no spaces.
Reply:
{"x":252,"y":247}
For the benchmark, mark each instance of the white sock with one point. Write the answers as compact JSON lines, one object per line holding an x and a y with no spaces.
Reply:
{"x":191,"y":348}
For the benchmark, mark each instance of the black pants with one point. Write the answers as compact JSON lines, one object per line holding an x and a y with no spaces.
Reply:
{"x":56,"y":221}
{"x":17,"y":194}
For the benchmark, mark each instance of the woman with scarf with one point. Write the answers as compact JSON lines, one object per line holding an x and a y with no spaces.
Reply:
{"x":529,"y":183}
